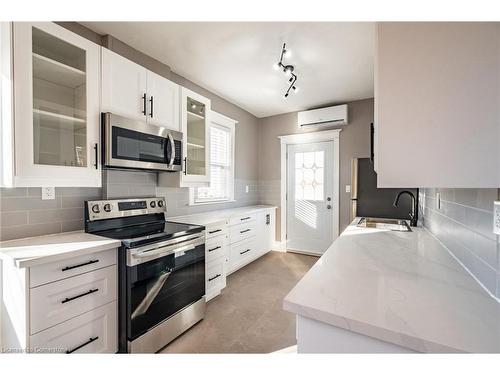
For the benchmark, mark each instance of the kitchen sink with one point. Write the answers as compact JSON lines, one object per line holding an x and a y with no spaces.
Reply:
{"x":388,"y":224}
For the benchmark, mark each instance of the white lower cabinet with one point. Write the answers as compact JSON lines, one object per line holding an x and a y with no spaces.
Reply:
{"x":59,"y":314}
{"x":216,"y":278}
{"x":266,"y":227}
{"x":243,"y":252}
{"x":64,"y":299}
{"x":91,"y":332}
{"x":234,"y":238}
{"x":215,"y":260}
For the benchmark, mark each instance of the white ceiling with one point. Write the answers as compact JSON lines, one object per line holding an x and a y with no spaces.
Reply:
{"x":333,"y":60}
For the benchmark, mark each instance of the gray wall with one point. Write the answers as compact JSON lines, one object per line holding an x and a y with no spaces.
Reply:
{"x":464,"y":224}
{"x":354,"y":142}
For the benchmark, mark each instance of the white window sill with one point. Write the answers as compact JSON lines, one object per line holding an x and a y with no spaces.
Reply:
{"x":211,"y":202}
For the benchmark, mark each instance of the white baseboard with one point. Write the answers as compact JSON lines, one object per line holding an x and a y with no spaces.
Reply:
{"x":279,"y":246}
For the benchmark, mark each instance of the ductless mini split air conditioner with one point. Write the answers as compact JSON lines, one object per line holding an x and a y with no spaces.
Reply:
{"x":329,"y":116}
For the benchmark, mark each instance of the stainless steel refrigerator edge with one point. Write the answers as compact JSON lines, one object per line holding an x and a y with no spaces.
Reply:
{"x":367,"y":200}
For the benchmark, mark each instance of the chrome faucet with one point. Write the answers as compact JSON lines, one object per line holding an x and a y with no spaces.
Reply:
{"x":414,"y":207}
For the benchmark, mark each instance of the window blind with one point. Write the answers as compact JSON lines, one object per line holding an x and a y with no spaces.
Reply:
{"x":220,"y":167}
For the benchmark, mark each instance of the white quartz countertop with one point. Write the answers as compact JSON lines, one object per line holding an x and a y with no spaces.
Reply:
{"x":400,"y":287}
{"x":28,"y":252}
{"x":216,"y":216}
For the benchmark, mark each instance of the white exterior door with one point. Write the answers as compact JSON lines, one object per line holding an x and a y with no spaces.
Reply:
{"x":163,"y":101}
{"x":310,"y":208}
{"x":123,"y":86}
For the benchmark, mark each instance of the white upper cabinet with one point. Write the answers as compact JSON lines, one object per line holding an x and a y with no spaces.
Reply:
{"x":56,"y":107}
{"x":195,"y":120}
{"x":123,"y":86}
{"x":163,"y":101}
{"x":130,"y":90}
{"x":437,"y":105}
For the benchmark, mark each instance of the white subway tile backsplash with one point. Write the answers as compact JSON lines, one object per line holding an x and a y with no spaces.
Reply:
{"x":464,"y":225}
{"x":25,"y":214}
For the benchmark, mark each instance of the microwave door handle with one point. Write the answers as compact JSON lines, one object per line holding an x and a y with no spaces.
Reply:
{"x":172,"y":157}
{"x":151,"y":295}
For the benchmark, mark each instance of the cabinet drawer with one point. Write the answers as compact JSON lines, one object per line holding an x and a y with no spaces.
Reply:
{"x":59,"y":301}
{"x":242,"y":231}
{"x":50,"y":272}
{"x":241,"y":219}
{"x":242,"y":251}
{"x":216,"y":277}
{"x":217,"y":229}
{"x":215,"y":248}
{"x":92,"y":332}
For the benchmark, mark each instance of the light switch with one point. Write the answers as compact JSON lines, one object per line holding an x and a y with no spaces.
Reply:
{"x":246,"y":188}
{"x":348,"y":188}
{"x":48,"y":193}
{"x":496,"y":217}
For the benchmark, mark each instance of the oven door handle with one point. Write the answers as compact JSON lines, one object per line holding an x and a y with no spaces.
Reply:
{"x":151,"y":295}
{"x":172,"y":156}
{"x":175,"y":249}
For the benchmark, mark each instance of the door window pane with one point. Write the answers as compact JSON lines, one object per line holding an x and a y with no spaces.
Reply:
{"x":309,"y":175}
{"x":59,"y":101}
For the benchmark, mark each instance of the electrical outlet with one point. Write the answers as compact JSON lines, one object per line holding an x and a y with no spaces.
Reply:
{"x":496,"y":217}
{"x":48,"y":193}
{"x":348,"y":188}
{"x":438,"y":201}
{"x":246,"y":189}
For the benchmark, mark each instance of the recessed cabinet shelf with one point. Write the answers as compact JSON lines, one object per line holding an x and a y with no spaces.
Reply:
{"x":56,"y":72}
{"x":194,"y":117}
{"x":61,"y":119}
{"x":194,"y":145}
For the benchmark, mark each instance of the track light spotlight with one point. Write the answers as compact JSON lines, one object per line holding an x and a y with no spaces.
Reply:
{"x":295,"y":89}
{"x":287,"y":69}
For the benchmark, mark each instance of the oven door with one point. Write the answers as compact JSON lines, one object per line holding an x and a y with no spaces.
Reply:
{"x":136,"y":144}
{"x":159,"y":288}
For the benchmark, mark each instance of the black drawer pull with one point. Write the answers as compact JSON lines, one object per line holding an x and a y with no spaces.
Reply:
{"x":216,"y":276}
{"x":214,"y":231}
{"x":245,"y":218}
{"x":92,"y":339}
{"x":244,"y":231}
{"x":215,"y":248}
{"x":80,"y":295}
{"x":80,"y":265}
{"x":246,"y":251}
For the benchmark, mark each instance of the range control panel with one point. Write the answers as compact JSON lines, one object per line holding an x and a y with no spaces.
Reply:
{"x":109,"y":209}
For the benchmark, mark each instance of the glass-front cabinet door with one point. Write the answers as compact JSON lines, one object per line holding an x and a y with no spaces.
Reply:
{"x":56,"y":115}
{"x":195,"y":112}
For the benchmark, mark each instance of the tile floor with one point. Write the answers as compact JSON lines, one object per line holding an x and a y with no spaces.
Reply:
{"x":248,"y":316}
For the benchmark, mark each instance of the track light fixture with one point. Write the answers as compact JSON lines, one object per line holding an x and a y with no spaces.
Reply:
{"x":287,"y":69}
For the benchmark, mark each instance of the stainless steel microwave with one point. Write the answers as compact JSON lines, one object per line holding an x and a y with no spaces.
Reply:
{"x":135,"y":144}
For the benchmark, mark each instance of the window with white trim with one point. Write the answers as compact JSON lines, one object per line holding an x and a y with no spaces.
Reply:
{"x":221,"y":188}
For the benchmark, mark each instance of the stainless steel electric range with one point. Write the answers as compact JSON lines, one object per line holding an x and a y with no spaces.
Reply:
{"x":161,"y":268}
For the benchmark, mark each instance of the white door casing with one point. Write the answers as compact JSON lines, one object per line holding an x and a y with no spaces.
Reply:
{"x":309,"y":197}
{"x":305,"y":138}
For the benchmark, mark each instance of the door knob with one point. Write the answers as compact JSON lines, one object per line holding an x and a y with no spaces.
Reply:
{"x":329,"y":207}
{"x":328,"y":199}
